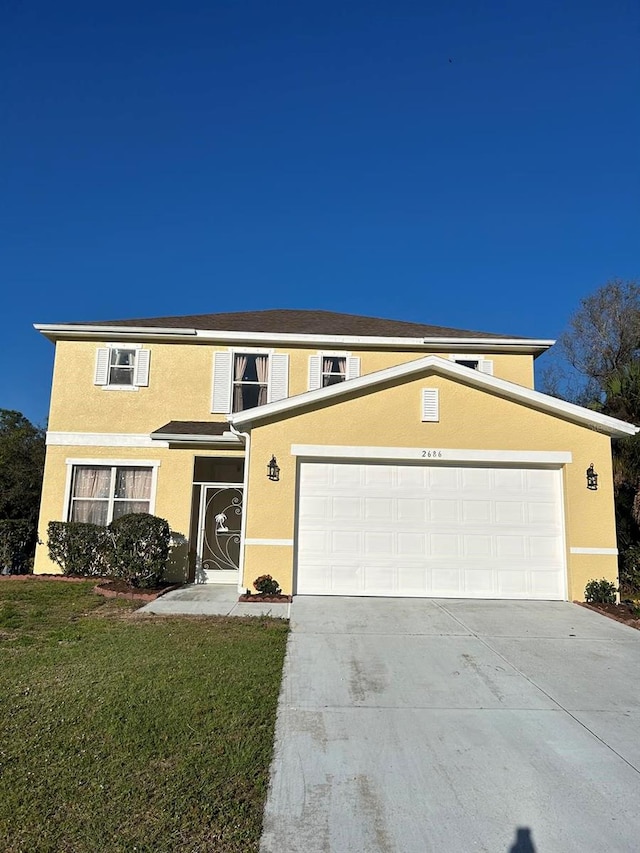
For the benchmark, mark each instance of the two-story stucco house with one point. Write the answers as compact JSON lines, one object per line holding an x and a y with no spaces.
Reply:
{"x":343,"y":455}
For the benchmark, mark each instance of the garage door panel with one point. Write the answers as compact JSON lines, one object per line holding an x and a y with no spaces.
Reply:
{"x":448,"y":532}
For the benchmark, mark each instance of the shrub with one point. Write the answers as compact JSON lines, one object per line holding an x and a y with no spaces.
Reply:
{"x":600,"y":592}
{"x":266,"y":585}
{"x":139,"y":548}
{"x":630,"y":570}
{"x":17,"y":541}
{"x":78,"y":548}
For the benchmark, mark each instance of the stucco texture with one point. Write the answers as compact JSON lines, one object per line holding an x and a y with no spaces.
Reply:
{"x":470,"y":418}
{"x":180,"y":383}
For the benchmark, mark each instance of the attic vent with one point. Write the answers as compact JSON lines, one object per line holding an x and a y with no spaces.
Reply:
{"x":430,"y":405}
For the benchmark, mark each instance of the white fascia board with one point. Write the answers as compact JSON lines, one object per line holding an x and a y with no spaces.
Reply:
{"x":442,"y":367}
{"x":550,"y":458}
{"x":225,"y":438}
{"x":526,"y":345}
{"x":56,"y":332}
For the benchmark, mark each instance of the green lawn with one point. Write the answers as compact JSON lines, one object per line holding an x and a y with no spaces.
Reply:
{"x":127,"y":733}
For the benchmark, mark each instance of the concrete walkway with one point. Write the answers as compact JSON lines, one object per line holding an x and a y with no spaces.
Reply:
{"x":414,"y":725}
{"x":211,"y":600}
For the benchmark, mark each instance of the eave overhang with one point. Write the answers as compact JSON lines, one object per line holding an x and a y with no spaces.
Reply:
{"x":527,"y":346}
{"x":434,"y":365}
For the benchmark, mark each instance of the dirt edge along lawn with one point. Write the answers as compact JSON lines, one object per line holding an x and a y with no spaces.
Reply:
{"x":121,"y":734}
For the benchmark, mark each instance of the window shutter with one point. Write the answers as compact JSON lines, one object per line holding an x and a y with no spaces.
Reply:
{"x":353,"y":367}
{"x":430,"y":405}
{"x":315,"y":375}
{"x":278,"y":377}
{"x":221,"y":397}
{"x":102,"y":366}
{"x":486,"y":366}
{"x":141,"y":371}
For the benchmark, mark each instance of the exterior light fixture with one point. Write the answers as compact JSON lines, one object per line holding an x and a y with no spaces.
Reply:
{"x":592,"y":478}
{"x":273,"y":470}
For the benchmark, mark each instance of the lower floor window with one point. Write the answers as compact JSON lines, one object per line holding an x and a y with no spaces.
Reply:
{"x":100,"y":493}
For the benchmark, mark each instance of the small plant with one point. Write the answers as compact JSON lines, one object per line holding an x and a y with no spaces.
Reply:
{"x":266,"y":585}
{"x":600,"y":592}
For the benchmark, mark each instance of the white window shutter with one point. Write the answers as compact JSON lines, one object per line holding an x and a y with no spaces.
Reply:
{"x":353,"y":367}
{"x":486,"y":366}
{"x":278,"y":377}
{"x":102,"y":366}
{"x":315,"y":372}
{"x":141,"y":370}
{"x":221,"y":397}
{"x":430,"y":405}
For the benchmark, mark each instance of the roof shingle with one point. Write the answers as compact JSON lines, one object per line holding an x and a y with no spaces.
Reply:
{"x":303,"y":322}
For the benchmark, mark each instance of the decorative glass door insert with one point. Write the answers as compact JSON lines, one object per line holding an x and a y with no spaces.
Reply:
{"x":219,"y":532}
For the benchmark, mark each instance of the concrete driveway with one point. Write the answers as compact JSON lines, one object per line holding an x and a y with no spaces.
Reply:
{"x":414,"y":725}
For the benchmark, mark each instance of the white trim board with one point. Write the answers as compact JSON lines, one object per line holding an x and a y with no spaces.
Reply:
{"x":532,"y":346}
{"x":593,"y":551}
{"x":435,"y":455}
{"x":433,"y":364}
{"x":102,"y":439}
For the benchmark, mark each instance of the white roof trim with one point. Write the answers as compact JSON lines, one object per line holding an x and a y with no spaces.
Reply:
{"x":527,"y":345}
{"x":442,"y":367}
{"x":225,"y":438}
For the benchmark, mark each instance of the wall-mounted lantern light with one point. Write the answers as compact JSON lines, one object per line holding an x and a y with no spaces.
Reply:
{"x":273,"y":470}
{"x":592,"y":478}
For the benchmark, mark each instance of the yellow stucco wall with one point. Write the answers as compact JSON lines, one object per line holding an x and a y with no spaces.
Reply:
{"x":180,"y":381}
{"x":180,"y":389}
{"x":469,"y":419}
{"x":173,"y":493}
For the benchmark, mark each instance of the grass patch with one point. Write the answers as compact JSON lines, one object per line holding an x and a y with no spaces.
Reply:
{"x":122,"y":733}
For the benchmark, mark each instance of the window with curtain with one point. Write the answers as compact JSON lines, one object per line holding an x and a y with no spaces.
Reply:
{"x":121,"y":366}
{"x":100,"y":493}
{"x":250,"y":381}
{"x":334,"y":369}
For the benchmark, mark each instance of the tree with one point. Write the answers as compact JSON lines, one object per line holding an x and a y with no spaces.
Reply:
{"x":601,"y":341}
{"x":22,"y":449}
{"x":601,"y":354}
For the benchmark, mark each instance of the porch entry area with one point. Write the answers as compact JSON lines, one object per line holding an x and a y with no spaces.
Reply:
{"x":216,"y":518}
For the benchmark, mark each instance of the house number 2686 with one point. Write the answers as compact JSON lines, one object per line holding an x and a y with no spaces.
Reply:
{"x":432,"y":454}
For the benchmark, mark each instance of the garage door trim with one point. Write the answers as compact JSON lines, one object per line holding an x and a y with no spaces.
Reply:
{"x":552,"y":458}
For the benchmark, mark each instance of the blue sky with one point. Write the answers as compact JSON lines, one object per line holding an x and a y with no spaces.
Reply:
{"x":469,"y":164}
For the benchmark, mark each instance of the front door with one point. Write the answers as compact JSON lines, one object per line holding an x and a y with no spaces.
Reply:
{"x":219,"y":532}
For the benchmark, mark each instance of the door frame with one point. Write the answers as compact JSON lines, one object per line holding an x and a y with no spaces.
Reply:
{"x":221,"y":576}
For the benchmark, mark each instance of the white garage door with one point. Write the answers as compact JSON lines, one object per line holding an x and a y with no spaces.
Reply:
{"x":409,"y":530}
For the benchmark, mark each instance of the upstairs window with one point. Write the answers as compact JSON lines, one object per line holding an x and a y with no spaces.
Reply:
{"x":100,"y":493}
{"x":332,"y":368}
{"x":123,"y":367}
{"x":122,"y":363}
{"x":250,"y":381}
{"x":474,"y":362}
{"x":244,"y":379}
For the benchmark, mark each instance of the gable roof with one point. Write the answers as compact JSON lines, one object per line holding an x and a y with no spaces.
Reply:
{"x":433,"y":364}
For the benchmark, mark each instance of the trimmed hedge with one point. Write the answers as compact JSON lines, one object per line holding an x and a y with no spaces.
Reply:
{"x":139,"y":548}
{"x":134,"y":547}
{"x":78,"y":548}
{"x":17,"y":542}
